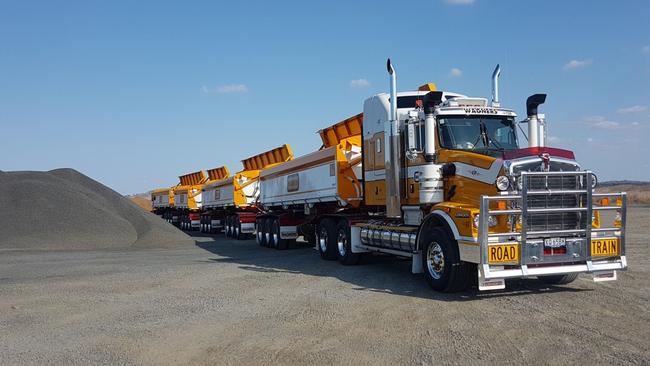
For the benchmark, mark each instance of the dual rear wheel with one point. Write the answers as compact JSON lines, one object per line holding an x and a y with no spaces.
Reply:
{"x":268,"y":233}
{"x":334,"y":241}
{"x":233,"y":227}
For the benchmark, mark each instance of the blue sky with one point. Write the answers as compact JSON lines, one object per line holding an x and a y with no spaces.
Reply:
{"x":135,"y":93}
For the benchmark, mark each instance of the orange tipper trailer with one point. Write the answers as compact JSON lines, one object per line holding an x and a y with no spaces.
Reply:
{"x":188,"y":200}
{"x":230,"y":203}
{"x":212,"y":219}
{"x":441,"y":178}
{"x":162,"y":203}
{"x":308,"y":188}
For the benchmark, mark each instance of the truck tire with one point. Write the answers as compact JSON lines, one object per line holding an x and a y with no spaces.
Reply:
{"x":260,"y":238}
{"x":558,"y":279}
{"x":229,"y":228}
{"x":326,"y":239}
{"x":268,"y":232}
{"x":236,"y":228}
{"x":344,"y":245}
{"x":280,"y":243}
{"x":443,"y":268}
{"x":226,"y":227}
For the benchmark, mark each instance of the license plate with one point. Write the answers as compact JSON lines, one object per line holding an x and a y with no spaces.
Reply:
{"x":605,"y":247}
{"x":503,"y":253}
{"x":554,"y":243}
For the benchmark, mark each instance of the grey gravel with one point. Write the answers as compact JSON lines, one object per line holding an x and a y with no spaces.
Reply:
{"x":223,"y":302}
{"x":64,"y":209}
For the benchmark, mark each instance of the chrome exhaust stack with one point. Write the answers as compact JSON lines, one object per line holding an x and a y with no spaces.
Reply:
{"x":536,"y":123}
{"x":392,"y":152}
{"x":495,"y":86}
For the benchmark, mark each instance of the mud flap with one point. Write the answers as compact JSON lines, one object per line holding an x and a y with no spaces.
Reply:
{"x":416,"y":264}
{"x":356,"y":247}
{"x":605,"y":276}
{"x":491,"y":284}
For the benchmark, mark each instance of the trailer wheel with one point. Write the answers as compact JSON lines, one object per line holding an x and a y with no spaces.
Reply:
{"x":260,"y":238}
{"x":344,"y":244}
{"x":326,"y":239}
{"x":229,"y":226}
{"x":236,"y":228}
{"x":558,"y":279}
{"x":443,"y":268}
{"x":268,"y":232}
{"x":279,"y":242}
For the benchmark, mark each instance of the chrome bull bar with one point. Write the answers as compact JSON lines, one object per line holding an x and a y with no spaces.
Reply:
{"x":580,"y":259}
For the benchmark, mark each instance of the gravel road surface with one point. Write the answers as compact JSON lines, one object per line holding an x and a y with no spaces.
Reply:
{"x":224,"y":302}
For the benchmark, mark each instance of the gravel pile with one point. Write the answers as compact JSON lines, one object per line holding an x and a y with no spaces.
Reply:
{"x":64,"y":209}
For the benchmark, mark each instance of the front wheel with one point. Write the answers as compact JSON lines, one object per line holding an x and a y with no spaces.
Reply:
{"x":443,"y":268}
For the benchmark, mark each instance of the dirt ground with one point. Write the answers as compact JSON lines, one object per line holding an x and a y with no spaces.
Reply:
{"x":143,"y":202}
{"x":224,"y":302}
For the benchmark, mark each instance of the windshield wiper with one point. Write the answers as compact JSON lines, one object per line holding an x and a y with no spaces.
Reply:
{"x":487,"y":140}
{"x":497,"y":145}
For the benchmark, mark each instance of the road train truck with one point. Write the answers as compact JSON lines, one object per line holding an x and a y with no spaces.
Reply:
{"x":230,"y":203}
{"x":441,"y":178}
{"x":188,"y":199}
{"x":180,"y":205}
{"x":162,"y":203}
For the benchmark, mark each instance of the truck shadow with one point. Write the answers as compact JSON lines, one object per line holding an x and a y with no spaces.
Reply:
{"x":375,"y":273}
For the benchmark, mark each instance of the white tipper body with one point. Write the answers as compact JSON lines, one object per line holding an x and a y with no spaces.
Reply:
{"x":181,"y":198}
{"x":308,"y":179}
{"x":221,"y":194}
{"x":160,"y":200}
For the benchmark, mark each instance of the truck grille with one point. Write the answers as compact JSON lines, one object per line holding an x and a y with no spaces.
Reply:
{"x":555,"y":220}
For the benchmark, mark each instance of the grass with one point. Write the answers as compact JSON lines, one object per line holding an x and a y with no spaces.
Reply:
{"x":636,"y":193}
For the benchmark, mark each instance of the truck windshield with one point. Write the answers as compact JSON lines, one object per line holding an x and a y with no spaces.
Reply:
{"x":477,"y":133}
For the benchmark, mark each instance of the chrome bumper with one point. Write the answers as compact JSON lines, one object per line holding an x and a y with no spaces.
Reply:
{"x":532,"y":261}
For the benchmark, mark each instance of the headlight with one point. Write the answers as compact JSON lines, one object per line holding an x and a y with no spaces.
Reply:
{"x":503,"y":183}
{"x":492,"y":221}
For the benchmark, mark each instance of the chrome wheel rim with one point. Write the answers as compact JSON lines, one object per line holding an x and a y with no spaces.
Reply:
{"x":435,"y":260}
{"x":276,"y":232}
{"x":322,"y":241}
{"x":342,"y":243}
